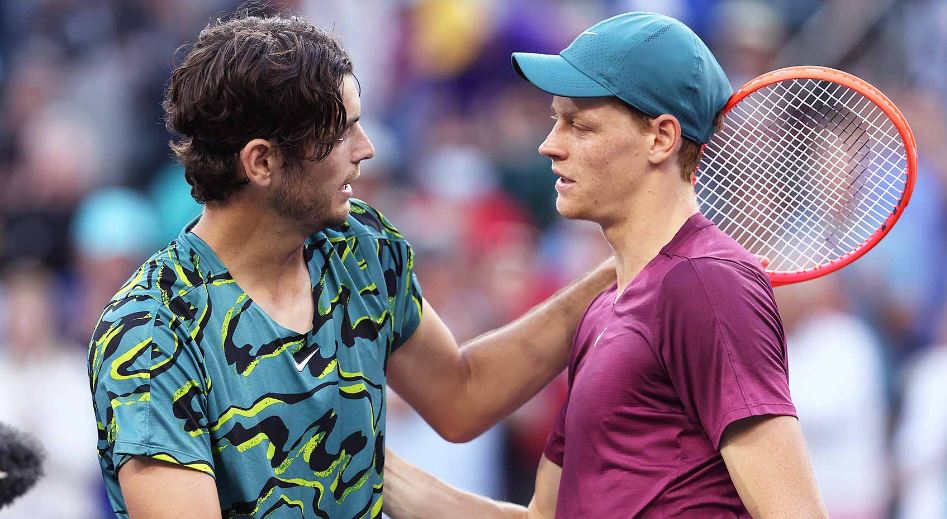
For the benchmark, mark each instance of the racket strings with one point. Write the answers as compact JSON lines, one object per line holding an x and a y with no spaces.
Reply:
{"x":860,"y":180}
{"x":803,"y":172}
{"x":795,"y":147}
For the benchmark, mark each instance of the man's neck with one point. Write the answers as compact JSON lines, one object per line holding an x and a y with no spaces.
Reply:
{"x":259,"y":249}
{"x":646,"y":228}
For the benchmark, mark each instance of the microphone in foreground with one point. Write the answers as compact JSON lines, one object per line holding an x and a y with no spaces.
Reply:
{"x":21,"y":464}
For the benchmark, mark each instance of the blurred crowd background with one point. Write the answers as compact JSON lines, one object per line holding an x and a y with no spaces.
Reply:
{"x":88,"y":190}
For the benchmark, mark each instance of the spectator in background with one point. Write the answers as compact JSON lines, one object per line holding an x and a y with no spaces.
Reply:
{"x":115,"y":229}
{"x":837,"y":381}
{"x":57,"y":165}
{"x":921,"y":436}
{"x":45,"y":393}
{"x":173,"y":204}
{"x":901,"y":295}
{"x":748,"y":33}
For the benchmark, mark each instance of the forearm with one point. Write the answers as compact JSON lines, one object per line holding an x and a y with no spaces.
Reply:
{"x":412,"y":493}
{"x":506,"y":367}
{"x":462,"y":391}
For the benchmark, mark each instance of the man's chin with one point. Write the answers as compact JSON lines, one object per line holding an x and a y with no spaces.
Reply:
{"x":339,"y":215}
{"x":569,"y":211}
{"x":345,"y":209}
{"x":333,"y":220}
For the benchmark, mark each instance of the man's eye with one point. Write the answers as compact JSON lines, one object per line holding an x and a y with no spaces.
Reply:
{"x":345,"y":133}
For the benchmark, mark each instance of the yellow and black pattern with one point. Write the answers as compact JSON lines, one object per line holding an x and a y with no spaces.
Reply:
{"x":185,"y":368}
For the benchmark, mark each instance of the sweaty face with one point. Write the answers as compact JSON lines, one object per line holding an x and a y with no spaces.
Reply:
{"x":598,"y":153}
{"x":317,"y":194}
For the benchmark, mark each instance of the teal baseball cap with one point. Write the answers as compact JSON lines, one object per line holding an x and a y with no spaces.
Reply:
{"x":650,"y":61}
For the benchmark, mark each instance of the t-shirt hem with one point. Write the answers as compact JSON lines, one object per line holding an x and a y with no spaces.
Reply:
{"x":552,"y":456}
{"x":750,"y":411}
{"x":402,"y":339}
{"x":183,"y":459}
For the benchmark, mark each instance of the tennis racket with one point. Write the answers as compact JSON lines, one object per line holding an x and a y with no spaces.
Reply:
{"x":812,"y":167}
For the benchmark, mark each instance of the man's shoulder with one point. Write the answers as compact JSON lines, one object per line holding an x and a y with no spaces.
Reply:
{"x":711,"y":253}
{"x":165,"y":279}
{"x":154,"y":309}
{"x":708,"y":241}
{"x":714,"y":274}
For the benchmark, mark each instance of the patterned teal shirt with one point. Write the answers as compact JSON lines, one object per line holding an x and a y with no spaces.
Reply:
{"x":185,"y":368}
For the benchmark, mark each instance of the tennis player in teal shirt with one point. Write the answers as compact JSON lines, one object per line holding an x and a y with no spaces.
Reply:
{"x":241,"y":371}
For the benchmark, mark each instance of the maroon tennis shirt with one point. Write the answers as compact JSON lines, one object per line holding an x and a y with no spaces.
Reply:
{"x":693,"y":344}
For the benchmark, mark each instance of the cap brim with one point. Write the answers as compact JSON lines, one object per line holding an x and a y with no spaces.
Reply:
{"x":555,"y":75}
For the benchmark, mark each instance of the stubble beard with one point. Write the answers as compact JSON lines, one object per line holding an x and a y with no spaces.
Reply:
{"x":313,"y":210}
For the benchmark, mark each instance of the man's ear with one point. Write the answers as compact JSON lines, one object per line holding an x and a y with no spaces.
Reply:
{"x":259,"y":159}
{"x":667,"y":139}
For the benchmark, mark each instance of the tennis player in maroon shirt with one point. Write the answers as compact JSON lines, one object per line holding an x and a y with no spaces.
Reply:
{"x":678,"y":401}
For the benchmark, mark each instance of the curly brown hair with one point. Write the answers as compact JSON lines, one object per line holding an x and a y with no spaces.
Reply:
{"x":268,"y":77}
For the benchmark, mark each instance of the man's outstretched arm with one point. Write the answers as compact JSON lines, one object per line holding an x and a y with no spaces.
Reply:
{"x":411,"y":493}
{"x":463,"y":391}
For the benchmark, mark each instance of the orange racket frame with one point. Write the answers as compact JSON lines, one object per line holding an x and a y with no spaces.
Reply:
{"x":879,"y":99}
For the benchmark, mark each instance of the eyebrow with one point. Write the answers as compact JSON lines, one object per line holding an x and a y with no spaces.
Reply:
{"x":565,"y":113}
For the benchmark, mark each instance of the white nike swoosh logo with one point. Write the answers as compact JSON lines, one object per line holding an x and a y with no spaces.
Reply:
{"x":302,"y":365}
{"x":599,"y":337}
{"x":589,"y":32}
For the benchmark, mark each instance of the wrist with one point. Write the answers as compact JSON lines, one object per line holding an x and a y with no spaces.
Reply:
{"x":405,"y":486}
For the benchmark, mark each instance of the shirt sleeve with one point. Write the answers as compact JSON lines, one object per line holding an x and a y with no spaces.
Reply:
{"x":406,"y":300}
{"x":719,"y":334}
{"x":556,"y":443}
{"x":149,"y":390}
{"x":396,"y":259}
